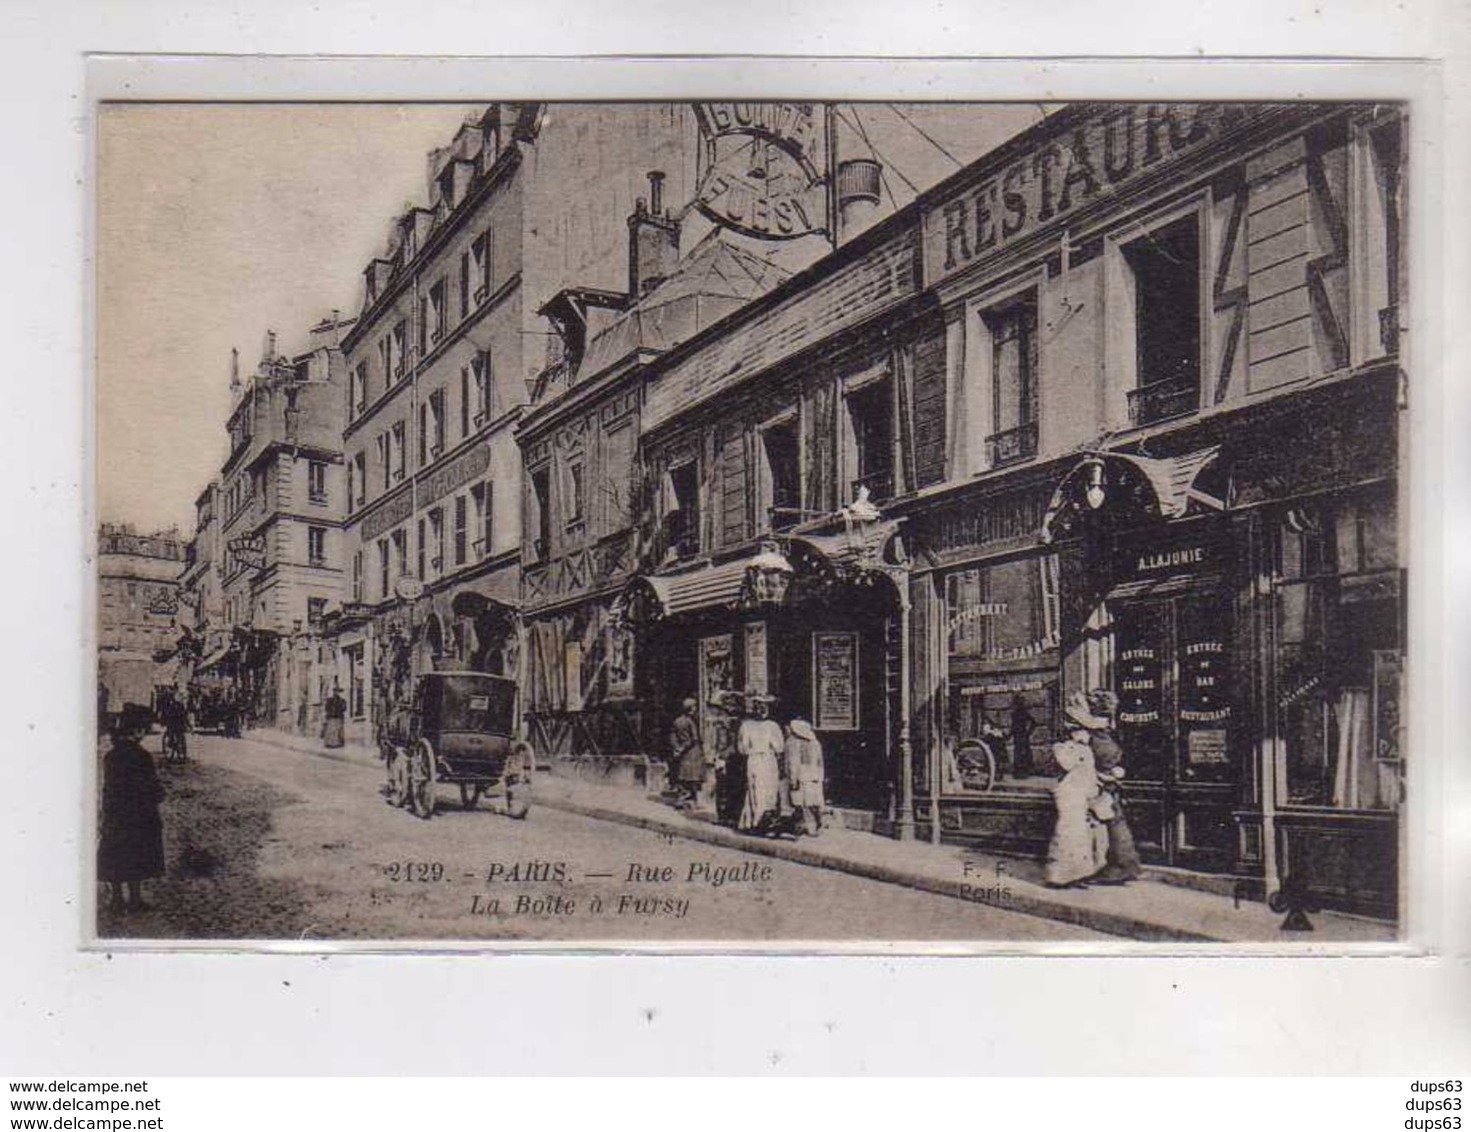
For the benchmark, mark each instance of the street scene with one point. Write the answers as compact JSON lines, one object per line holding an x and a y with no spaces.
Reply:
{"x":751,"y":522}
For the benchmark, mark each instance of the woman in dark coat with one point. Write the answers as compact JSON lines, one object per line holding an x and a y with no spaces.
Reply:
{"x":686,"y":753}
{"x":131,"y":848}
{"x":1123,"y":864}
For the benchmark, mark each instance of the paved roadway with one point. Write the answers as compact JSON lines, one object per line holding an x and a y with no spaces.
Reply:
{"x":265,"y":843}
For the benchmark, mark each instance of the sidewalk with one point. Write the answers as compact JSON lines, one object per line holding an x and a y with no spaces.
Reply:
{"x":1148,"y":910}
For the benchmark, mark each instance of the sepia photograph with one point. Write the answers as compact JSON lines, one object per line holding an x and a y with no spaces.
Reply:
{"x":817,"y":525}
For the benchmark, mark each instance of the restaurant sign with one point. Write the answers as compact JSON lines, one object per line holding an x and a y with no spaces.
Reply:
{"x":760,"y":173}
{"x":456,"y":474}
{"x":1064,"y":173}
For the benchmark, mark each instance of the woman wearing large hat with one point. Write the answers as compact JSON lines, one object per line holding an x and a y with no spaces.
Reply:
{"x":760,"y":741}
{"x":1072,"y":854}
{"x":131,"y":846}
{"x":1121,"y":857}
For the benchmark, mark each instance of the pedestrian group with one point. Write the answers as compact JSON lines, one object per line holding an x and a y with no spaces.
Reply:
{"x":763,"y":779}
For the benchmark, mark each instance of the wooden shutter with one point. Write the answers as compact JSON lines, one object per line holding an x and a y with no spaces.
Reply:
{"x":928,"y":393}
{"x":734,"y":492}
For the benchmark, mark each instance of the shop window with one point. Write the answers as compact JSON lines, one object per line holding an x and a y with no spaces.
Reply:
{"x":871,"y":420}
{"x":1165,"y":275}
{"x":683,"y":519}
{"x":1002,"y":641}
{"x":316,"y":545}
{"x":462,"y":529}
{"x":541,"y":513}
{"x":1013,"y":331}
{"x":781,"y":474}
{"x":1338,"y":681}
{"x":316,"y":478}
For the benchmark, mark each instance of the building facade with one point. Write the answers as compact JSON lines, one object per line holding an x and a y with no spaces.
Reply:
{"x":1115,"y":408}
{"x":137,"y":613}
{"x":457,"y":323}
{"x":278,"y":511}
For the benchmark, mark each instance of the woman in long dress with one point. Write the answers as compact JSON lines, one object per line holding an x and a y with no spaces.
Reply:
{"x":805,"y":773}
{"x":760,"y":741}
{"x":1071,"y":857}
{"x":131,"y":848}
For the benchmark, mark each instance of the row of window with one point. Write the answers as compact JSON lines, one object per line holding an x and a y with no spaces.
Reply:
{"x":391,"y":444}
{"x":445,"y":539}
{"x":395,"y":351}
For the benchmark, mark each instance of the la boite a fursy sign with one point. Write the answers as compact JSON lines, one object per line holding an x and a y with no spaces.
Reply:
{"x":1061,"y":175}
{"x":760,"y":173}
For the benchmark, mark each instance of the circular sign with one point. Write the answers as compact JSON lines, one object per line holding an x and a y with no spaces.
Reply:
{"x":760,"y":175}
{"x":409,"y":588}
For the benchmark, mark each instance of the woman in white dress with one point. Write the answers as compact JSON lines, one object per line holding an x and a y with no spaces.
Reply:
{"x":1072,"y":856}
{"x":760,"y":740}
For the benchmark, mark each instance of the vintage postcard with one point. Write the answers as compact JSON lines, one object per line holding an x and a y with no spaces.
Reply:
{"x":751,"y":523}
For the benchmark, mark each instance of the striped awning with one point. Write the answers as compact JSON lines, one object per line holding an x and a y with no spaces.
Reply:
{"x":718,"y":586}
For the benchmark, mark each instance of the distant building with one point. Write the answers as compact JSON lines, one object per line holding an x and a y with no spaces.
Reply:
{"x":137,"y":607}
{"x":269,"y":536}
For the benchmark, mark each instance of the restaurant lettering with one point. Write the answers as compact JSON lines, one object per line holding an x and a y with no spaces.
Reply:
{"x":1095,"y":158}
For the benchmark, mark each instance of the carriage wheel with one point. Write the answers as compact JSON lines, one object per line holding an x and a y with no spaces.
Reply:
{"x":518,"y":794}
{"x":421,"y":779}
{"x":398,"y":776}
{"x":470,"y":794}
{"x":983,"y":762}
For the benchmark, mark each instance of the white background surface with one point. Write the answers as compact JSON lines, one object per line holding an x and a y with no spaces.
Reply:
{"x":63,"y":1011}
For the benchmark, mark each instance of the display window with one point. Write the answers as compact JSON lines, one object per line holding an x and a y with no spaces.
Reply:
{"x":1337,"y":624}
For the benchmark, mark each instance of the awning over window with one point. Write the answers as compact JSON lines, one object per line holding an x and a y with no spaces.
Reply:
{"x":214,"y":658}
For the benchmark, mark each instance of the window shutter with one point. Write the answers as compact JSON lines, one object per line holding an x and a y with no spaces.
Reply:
{"x":733,"y":487}
{"x":929,"y":417}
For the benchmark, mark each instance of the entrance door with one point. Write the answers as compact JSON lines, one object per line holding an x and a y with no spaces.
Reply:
{"x":1178,"y":726}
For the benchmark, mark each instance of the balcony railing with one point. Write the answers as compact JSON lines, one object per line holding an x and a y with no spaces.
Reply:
{"x":1012,"y":445}
{"x":1163,"y":400}
{"x":880,"y":484}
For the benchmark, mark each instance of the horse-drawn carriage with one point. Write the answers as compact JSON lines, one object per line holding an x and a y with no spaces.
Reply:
{"x":458,"y":728}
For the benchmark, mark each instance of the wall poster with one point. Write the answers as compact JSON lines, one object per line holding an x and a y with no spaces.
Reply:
{"x":835,"y":681}
{"x":757,"y":679}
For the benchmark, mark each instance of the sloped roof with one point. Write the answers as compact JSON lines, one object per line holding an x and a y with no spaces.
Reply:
{"x":716,"y":278}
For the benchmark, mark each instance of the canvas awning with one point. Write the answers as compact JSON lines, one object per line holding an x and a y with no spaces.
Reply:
{"x":217,"y":656}
{"x":718,"y":586}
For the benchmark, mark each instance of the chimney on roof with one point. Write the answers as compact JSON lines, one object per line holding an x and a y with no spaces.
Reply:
{"x":235,"y":388}
{"x":859,"y":181}
{"x":653,"y":241}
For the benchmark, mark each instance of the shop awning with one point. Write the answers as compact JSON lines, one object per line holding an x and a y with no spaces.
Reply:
{"x":217,"y":656}
{"x":1170,"y":479}
{"x":720,"y":586}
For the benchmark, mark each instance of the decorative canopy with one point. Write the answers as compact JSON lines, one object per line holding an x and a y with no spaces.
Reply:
{"x":1153,"y":487}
